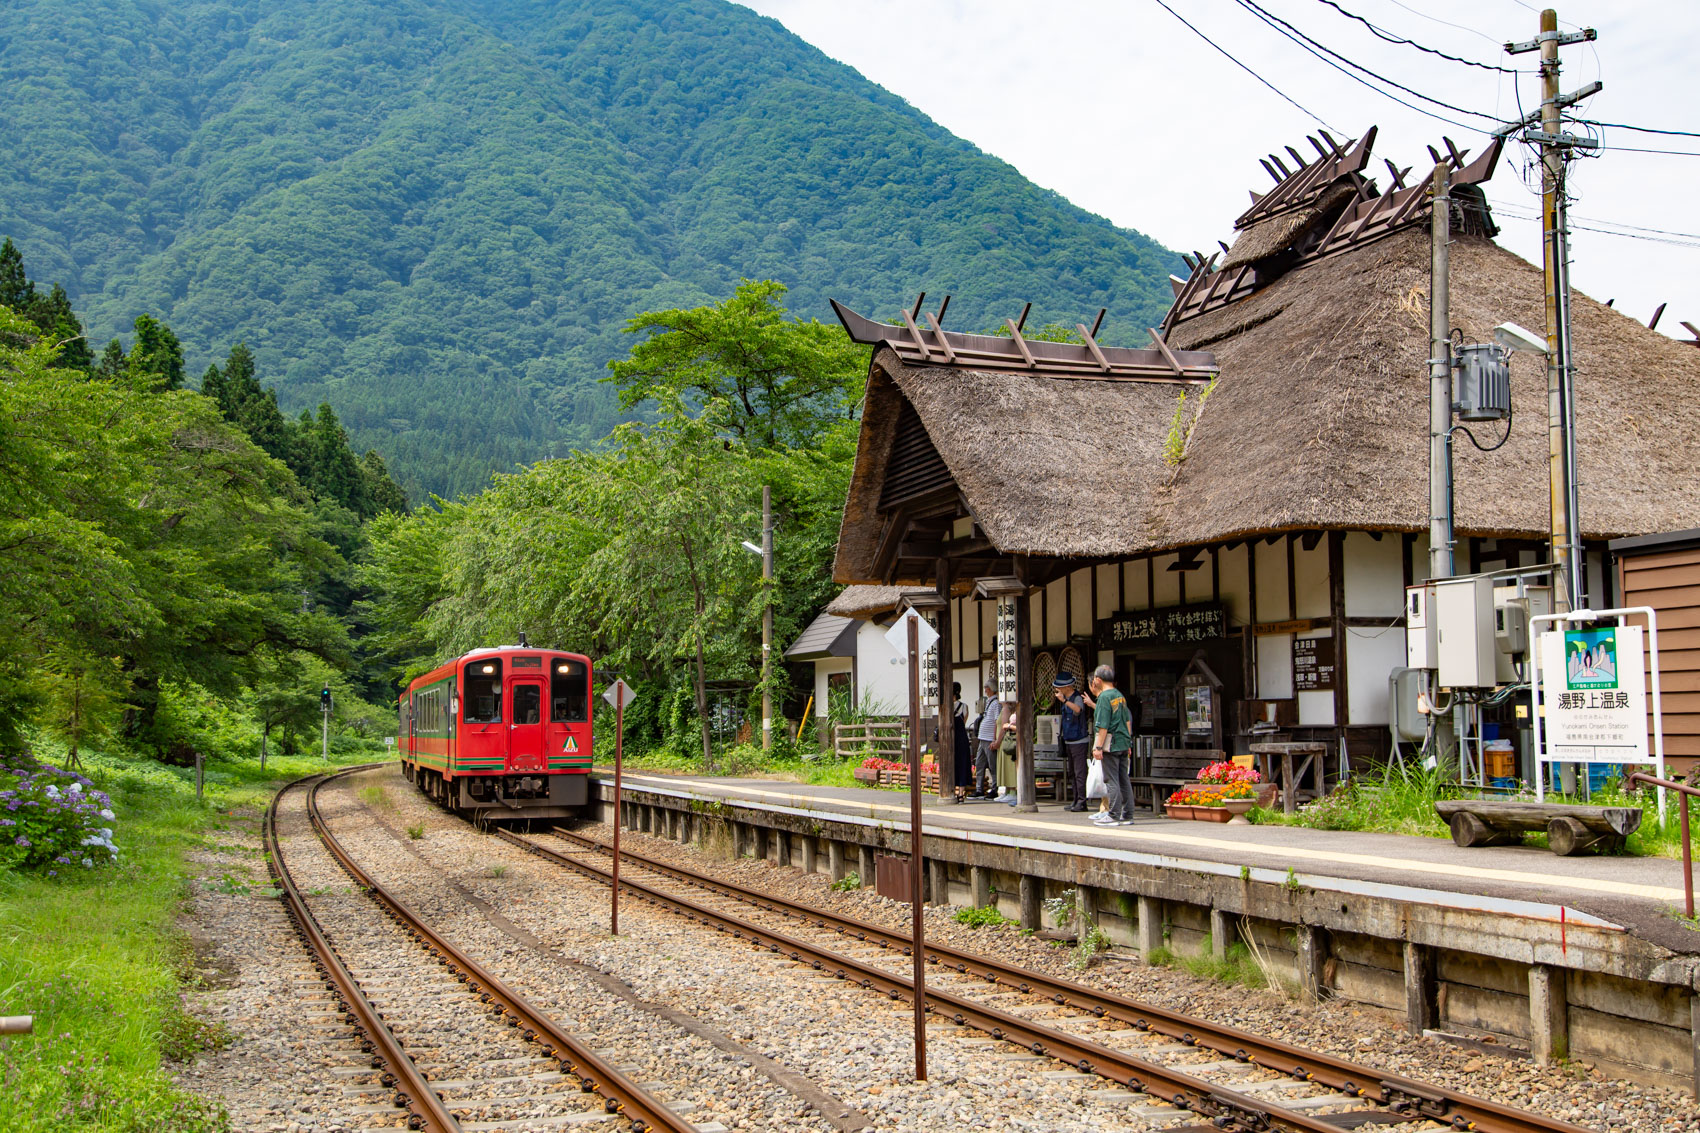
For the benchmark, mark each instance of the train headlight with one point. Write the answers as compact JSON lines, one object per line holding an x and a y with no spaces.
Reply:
{"x":489,"y":669}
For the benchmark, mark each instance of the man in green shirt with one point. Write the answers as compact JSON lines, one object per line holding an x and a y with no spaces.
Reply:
{"x":1113,"y":745}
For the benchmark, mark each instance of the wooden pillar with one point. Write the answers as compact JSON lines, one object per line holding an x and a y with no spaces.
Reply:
{"x":1421,"y":998}
{"x":938,"y":879}
{"x":684,"y":834}
{"x":1085,"y":907}
{"x":865,"y":865}
{"x":1313,"y":962}
{"x":1694,"y":1039}
{"x":835,"y":859}
{"x":946,"y":757}
{"x":1029,"y":901}
{"x":980,"y":878}
{"x":783,"y":837}
{"x":1549,"y":1015}
{"x":1337,"y":627}
{"x":1150,"y":928}
{"x":1026,"y":793}
{"x":761,"y":833}
{"x":809,"y":851}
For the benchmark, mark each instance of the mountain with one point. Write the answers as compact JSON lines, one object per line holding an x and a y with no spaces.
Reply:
{"x":438,"y":214}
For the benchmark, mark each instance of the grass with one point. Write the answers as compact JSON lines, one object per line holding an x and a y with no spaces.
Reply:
{"x":377,"y":796}
{"x":749,"y":761}
{"x":416,"y":831}
{"x":849,"y":883}
{"x":1402,"y":802}
{"x":97,"y":958}
{"x":988,"y":917}
{"x":1237,"y":966}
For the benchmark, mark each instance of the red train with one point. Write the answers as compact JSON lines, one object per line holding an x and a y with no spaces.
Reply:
{"x":502,"y":732}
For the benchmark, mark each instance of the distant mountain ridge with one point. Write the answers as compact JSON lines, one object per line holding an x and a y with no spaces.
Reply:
{"x":439,"y":213}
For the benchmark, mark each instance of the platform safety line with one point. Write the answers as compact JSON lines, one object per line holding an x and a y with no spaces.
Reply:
{"x":1536,"y":910}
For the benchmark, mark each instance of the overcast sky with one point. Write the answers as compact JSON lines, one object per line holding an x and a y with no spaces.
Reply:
{"x":1119,"y":107}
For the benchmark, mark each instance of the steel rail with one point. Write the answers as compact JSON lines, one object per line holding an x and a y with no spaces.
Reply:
{"x":1230,"y":1110}
{"x":428,"y":1111}
{"x":1404,"y":1096}
{"x":621,"y":1095}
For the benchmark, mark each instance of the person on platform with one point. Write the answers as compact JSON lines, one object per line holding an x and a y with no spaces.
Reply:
{"x":961,"y":751}
{"x":1076,"y":728}
{"x":1114,"y":746}
{"x":986,"y":746}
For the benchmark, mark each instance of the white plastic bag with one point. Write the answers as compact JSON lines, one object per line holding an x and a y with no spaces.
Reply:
{"x":1095,"y":780}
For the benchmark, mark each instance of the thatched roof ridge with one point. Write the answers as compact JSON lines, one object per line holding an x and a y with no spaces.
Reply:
{"x":1318,"y":421}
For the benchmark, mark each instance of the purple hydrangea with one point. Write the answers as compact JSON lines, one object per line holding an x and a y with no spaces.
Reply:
{"x":20,"y":840}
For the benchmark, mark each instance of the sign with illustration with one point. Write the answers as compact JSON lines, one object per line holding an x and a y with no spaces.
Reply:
{"x":1594,"y":689}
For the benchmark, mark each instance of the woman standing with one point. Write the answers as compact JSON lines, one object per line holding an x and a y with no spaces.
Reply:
{"x":962,"y":750}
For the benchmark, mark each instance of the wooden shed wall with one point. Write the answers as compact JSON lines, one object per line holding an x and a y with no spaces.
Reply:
{"x":1669,"y":582}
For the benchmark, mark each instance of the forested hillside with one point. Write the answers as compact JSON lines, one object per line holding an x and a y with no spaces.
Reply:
{"x":438,"y":214}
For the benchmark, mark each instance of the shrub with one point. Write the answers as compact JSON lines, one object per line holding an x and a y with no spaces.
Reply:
{"x":52,"y":818}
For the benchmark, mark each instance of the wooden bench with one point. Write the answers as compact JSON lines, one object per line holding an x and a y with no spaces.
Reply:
{"x":1569,"y":829}
{"x":1170,"y":769}
{"x":1050,"y":763}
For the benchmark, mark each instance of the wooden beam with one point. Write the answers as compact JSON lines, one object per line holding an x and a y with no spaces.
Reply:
{"x":1092,"y":345}
{"x":1020,"y":343}
{"x":942,"y":548}
{"x":1168,"y":355}
{"x":944,"y":343}
{"x":915,"y":333}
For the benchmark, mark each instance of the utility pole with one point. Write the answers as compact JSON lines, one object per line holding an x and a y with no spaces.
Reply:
{"x":1440,"y":382}
{"x":1555,"y":148}
{"x":325,"y":722}
{"x":766,"y":617}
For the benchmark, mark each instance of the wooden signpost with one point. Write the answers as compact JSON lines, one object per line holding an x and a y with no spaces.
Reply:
{"x":917,"y":636}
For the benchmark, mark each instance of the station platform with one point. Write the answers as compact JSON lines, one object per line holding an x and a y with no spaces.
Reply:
{"x":1639,"y":895}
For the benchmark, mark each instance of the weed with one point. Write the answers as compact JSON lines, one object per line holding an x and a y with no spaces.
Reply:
{"x":230,"y":885}
{"x":182,"y":1036}
{"x":1245,"y":873}
{"x":1292,"y":882}
{"x":849,"y":883}
{"x":416,"y":831}
{"x":319,"y":891}
{"x":377,"y":796}
{"x":1161,"y":956}
{"x":498,"y":870}
{"x":1235,"y":966}
{"x":1064,"y":907}
{"x":988,"y":917}
{"x":1092,"y":942}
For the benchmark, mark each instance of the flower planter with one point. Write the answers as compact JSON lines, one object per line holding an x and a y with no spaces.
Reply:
{"x":867,"y":774}
{"x":1178,"y":811}
{"x":1210,"y":814}
{"x":1237,"y":808}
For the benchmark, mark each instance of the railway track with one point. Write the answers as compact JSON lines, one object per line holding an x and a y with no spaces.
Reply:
{"x":449,"y":1046}
{"x":1177,"y":1065}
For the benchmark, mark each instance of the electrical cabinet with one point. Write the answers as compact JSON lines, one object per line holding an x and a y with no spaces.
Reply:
{"x":1419,"y":627}
{"x":1465,"y":652}
{"x":1513,"y":606}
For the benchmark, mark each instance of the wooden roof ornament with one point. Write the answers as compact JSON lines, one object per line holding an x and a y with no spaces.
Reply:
{"x":1321,"y":209}
{"x":933,"y":346}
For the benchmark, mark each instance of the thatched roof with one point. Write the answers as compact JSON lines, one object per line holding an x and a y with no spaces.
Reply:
{"x":864,"y":601}
{"x":1319,"y":421}
{"x":1278,"y":233}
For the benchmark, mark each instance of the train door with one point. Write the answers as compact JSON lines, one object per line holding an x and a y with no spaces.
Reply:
{"x":525,"y":733}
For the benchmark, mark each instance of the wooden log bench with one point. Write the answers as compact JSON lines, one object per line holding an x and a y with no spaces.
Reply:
{"x":1170,"y":769}
{"x":1569,"y":829}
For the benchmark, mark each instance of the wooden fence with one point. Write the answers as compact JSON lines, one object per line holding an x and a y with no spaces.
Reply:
{"x":887,"y":738}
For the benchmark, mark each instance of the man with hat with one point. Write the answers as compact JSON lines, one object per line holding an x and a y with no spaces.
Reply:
{"x":1076,"y":732}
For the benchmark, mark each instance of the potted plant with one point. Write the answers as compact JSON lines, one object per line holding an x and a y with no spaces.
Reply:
{"x":1239,"y":787}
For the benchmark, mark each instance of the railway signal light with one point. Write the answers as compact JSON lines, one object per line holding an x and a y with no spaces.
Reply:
{"x":325,"y":699}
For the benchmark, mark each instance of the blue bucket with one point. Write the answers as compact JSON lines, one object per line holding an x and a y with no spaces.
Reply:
{"x":1602,"y":775}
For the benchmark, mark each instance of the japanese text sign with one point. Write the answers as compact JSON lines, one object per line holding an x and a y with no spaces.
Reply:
{"x":1593,"y":683}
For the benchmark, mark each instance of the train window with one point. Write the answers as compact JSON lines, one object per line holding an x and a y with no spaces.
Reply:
{"x":482,"y":703}
{"x":569,"y":692}
{"x":528,"y":704}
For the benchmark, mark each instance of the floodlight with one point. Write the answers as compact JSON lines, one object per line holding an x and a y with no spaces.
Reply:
{"x":752,"y":548}
{"x":1513,"y":337}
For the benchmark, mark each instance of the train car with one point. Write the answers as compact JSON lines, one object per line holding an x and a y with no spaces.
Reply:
{"x":502,"y":732}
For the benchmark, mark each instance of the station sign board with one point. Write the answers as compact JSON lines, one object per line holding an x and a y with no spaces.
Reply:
{"x":1594,"y":689}
{"x":1174,"y":625}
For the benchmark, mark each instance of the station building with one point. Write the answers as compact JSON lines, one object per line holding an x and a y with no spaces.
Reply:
{"x":1240,"y":506}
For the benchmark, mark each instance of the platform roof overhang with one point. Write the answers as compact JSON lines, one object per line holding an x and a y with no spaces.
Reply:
{"x":1318,"y":422}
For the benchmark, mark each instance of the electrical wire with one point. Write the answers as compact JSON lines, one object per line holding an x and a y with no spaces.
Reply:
{"x":1230,"y":57}
{"x":1638,"y":129}
{"x":1324,"y":54}
{"x":1391,"y":37}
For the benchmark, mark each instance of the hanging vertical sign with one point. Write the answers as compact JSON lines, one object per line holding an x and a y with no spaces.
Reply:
{"x":1008,"y":665}
{"x":1595,"y":694}
{"x":930,"y":663}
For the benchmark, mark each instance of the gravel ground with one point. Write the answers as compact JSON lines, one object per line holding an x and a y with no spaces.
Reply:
{"x":733,"y":1036}
{"x":1578,"y":1092}
{"x":853,"y":1045}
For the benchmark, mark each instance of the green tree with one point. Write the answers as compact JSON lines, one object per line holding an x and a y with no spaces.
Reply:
{"x":80,"y":697}
{"x":780,"y":378}
{"x":381,"y":492}
{"x":336,"y":473}
{"x":156,"y":359}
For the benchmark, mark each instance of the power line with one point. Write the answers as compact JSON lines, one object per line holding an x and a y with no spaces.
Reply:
{"x":1637,"y":129}
{"x":1391,"y":37}
{"x":1588,"y":224}
{"x":1323,"y":54}
{"x":1229,"y":56}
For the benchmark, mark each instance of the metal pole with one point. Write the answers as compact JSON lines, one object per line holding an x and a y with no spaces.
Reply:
{"x":917,"y":931}
{"x":619,"y":752}
{"x":1687,"y":860}
{"x":1566,"y":591}
{"x":16,"y":1024}
{"x":325,"y":732}
{"x":1440,"y":384}
{"x":766,"y":617}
